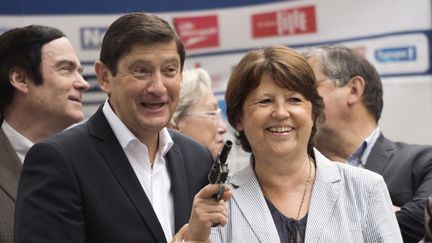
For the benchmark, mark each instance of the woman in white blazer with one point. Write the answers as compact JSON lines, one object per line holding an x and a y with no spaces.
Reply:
{"x":288,"y":191}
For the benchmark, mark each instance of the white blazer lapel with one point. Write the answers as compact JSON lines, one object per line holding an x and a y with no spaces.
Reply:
{"x":251,"y":202}
{"x":325,"y":194}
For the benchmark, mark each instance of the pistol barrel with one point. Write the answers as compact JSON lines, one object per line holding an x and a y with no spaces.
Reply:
{"x":225,"y":151}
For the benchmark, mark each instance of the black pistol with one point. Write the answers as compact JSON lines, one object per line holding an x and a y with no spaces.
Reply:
{"x":219,"y":172}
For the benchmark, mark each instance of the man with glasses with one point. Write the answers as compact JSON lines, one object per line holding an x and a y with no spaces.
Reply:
{"x":353,"y":97}
{"x":197,"y":114}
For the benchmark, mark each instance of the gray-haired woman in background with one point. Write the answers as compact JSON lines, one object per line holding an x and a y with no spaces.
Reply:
{"x":198,"y":113}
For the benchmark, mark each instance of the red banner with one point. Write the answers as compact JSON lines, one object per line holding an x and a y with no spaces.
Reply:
{"x":291,"y":21}
{"x":198,"y":32}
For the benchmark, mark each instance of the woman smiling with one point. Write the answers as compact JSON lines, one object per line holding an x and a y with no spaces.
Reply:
{"x":288,"y":192}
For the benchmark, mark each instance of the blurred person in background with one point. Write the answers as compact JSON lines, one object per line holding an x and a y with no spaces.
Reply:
{"x":353,"y":97}
{"x":288,"y":191}
{"x":198,"y":114}
{"x":41,"y":87}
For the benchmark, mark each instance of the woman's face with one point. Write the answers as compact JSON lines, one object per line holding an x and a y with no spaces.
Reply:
{"x":276,"y":120}
{"x":203,"y":122}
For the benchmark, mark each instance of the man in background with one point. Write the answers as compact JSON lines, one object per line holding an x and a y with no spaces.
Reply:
{"x":41,"y":90}
{"x":353,"y":97}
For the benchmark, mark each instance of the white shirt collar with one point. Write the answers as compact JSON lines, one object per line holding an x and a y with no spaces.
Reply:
{"x":125,"y":136}
{"x":20,"y":143}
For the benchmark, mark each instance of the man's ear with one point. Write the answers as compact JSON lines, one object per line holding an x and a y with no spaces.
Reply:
{"x":102,"y":74}
{"x":356,"y":86}
{"x":19,"y":79}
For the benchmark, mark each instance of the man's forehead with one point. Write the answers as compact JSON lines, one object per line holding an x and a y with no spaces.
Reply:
{"x":59,"y":48}
{"x":146,"y":55}
{"x":160,"y":49}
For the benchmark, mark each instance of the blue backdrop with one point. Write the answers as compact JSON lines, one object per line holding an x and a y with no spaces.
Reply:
{"x":30,"y":7}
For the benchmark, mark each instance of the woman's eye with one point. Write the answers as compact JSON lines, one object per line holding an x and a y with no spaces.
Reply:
{"x":265,"y":101}
{"x":295,"y":100}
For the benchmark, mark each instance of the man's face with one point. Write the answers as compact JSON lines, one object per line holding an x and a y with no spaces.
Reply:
{"x":334,"y":100}
{"x":145,"y":91}
{"x":59,"y":98}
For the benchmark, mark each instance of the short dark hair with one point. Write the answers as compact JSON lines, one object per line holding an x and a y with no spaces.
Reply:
{"x":287,"y":69}
{"x":340,"y":64}
{"x":136,"y":28}
{"x":21,"y":48}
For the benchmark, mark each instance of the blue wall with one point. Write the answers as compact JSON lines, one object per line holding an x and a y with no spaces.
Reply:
{"x":31,"y":7}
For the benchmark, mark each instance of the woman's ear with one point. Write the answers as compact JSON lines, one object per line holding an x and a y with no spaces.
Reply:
{"x":19,"y":80}
{"x":102,"y":74}
{"x":239,"y":126}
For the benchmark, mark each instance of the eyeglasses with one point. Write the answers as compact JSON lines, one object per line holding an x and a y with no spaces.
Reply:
{"x":209,"y":114}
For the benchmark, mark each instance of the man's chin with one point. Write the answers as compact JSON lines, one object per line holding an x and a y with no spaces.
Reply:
{"x":155,"y":124}
{"x":76,"y":117}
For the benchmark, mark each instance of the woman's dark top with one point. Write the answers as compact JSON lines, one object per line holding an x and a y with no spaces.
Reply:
{"x":287,"y":227}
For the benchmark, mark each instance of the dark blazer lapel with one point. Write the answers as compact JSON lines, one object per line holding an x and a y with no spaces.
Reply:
{"x":381,"y":153}
{"x":180,"y":190}
{"x":10,"y":167}
{"x":108,"y":145}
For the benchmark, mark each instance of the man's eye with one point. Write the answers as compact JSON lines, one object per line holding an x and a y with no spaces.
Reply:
{"x":171,"y":72}
{"x":140,"y":72}
{"x":65,"y":70}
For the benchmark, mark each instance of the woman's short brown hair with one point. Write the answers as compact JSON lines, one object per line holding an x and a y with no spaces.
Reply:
{"x":287,"y":68}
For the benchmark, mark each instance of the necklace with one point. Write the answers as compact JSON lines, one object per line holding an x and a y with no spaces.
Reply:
{"x":294,"y":235}
{"x":298,"y":237}
{"x":305,"y":190}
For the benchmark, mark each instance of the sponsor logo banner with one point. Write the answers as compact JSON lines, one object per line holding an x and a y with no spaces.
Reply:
{"x":396,"y":54}
{"x":291,"y":21}
{"x":401,"y":53}
{"x":198,"y":32}
{"x":91,"y":37}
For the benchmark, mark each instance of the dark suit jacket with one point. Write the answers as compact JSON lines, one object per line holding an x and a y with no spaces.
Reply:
{"x":10,"y":168}
{"x":407,"y":171}
{"x":79,"y":186}
{"x":428,"y":221}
